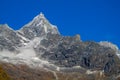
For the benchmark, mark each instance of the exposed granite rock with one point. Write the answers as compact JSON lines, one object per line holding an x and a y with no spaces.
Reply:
{"x":9,"y":40}
{"x":62,"y":51}
{"x":69,"y":52}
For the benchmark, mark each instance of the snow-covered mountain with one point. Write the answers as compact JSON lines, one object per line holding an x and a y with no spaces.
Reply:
{"x":38,"y":27}
{"x":19,"y":46}
{"x":40,"y":44}
{"x":9,"y":40}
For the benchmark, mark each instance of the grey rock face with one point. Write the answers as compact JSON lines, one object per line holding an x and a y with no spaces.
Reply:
{"x":63,"y":51}
{"x":70,"y":51}
{"x":38,"y":27}
{"x":8,"y":38}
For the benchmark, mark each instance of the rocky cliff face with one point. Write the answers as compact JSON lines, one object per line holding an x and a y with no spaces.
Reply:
{"x":38,"y":27}
{"x":39,"y":44}
{"x":9,"y":40}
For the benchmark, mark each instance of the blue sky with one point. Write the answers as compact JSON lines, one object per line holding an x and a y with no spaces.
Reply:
{"x":96,"y":20}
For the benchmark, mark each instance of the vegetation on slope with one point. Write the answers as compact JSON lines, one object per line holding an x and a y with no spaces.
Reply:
{"x":4,"y":75}
{"x":23,"y":72}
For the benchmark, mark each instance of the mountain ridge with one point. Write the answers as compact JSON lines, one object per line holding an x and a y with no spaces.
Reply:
{"x":40,"y":44}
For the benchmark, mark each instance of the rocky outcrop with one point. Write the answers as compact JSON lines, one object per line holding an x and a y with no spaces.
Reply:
{"x":24,"y":72}
{"x":69,"y":52}
{"x":39,"y":44}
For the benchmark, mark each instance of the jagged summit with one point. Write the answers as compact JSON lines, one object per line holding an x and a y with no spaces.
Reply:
{"x":39,"y":44}
{"x":5,"y":26}
{"x":38,"y":20}
{"x":39,"y":26}
{"x":40,"y":16}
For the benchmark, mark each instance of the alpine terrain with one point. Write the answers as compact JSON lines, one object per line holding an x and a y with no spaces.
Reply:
{"x":39,"y":52}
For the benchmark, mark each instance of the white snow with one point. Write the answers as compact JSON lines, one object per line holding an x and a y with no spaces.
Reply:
{"x":54,"y":26}
{"x":22,"y":37}
{"x":112,"y":46}
{"x":109,"y":44}
{"x":77,"y":67}
{"x":58,"y":69}
{"x":118,"y":53}
{"x":41,"y":15}
{"x":40,"y":23}
{"x":35,"y":59}
{"x":90,"y":72}
{"x":27,"y":56}
{"x":26,"y":53}
{"x":45,"y":28}
{"x":7,"y":26}
{"x":35,"y":42}
{"x":37,"y":19}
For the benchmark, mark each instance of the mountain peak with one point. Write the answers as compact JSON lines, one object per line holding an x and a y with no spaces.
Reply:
{"x":5,"y":26}
{"x":39,"y":26}
{"x":39,"y":21}
{"x":40,"y":17}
